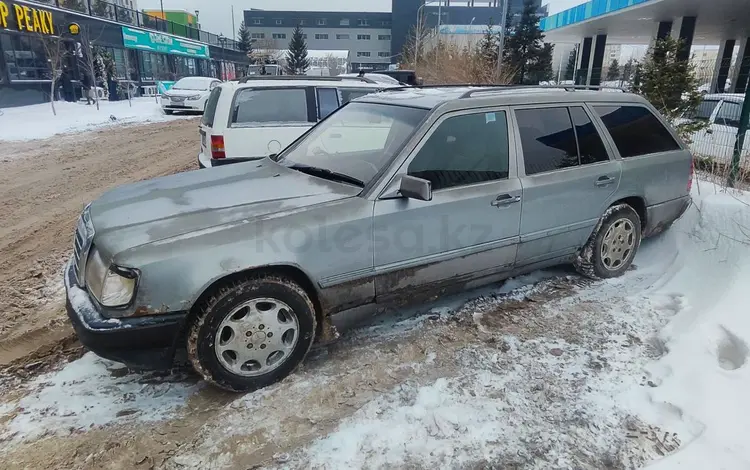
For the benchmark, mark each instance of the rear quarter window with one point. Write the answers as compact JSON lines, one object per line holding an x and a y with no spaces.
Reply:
{"x":210,"y":112}
{"x":277,"y":105}
{"x":636,"y":131}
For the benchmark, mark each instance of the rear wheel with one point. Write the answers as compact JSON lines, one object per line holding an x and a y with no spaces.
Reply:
{"x":611,"y":249}
{"x":252,"y":333}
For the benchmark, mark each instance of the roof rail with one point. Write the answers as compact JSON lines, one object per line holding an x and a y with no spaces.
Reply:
{"x":492,"y":88}
{"x":303,"y":77}
{"x":452,"y":85}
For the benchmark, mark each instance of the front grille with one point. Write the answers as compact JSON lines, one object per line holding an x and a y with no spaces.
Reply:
{"x":81,"y":245}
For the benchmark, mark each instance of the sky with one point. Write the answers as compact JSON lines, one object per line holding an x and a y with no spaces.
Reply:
{"x":216,"y":15}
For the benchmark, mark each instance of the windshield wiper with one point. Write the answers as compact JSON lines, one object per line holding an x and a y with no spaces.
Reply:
{"x":328,"y":174}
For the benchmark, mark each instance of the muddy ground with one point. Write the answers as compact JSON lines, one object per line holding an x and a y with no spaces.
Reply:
{"x":43,"y":188}
{"x":508,"y":377}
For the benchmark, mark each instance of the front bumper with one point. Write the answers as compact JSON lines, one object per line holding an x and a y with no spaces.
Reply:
{"x":186,"y":106}
{"x":140,"y":343}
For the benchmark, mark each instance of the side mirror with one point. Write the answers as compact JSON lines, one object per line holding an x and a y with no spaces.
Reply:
{"x":415,"y":188}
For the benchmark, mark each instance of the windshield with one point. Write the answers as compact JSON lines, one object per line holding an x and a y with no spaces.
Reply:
{"x":192,"y":83}
{"x":358,"y":140}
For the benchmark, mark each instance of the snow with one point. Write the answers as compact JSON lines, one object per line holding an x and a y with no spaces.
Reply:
{"x":85,"y":394}
{"x":34,"y":122}
{"x":687,"y":296}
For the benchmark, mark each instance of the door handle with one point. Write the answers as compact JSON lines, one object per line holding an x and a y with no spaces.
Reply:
{"x":604,"y":181}
{"x":505,"y":200}
{"x":709,"y":131}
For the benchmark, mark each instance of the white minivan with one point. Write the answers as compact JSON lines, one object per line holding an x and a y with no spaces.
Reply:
{"x":260,"y":115}
{"x":722,"y":112}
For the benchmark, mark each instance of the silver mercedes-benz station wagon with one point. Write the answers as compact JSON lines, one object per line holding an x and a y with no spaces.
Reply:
{"x":399,"y":196}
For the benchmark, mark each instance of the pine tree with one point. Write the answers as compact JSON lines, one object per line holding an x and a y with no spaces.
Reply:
{"x":613,"y":73}
{"x":524,"y":48}
{"x":488,"y":47}
{"x":243,"y":39}
{"x":540,"y":68}
{"x":570,"y":69}
{"x":628,"y":69}
{"x":669,"y":84}
{"x":297,"y":62}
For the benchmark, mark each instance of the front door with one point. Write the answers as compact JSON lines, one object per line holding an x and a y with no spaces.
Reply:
{"x":568,"y":180}
{"x":469,"y":230}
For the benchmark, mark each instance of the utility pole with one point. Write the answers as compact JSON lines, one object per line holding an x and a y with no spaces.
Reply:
{"x":742,"y":133}
{"x":234,"y":30}
{"x":503,"y":22}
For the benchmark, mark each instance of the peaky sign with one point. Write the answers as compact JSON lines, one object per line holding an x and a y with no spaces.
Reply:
{"x":25,"y":18}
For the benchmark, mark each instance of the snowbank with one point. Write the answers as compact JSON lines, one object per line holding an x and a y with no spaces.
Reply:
{"x":37,"y":121}
{"x":85,"y":394}
{"x":704,"y":378}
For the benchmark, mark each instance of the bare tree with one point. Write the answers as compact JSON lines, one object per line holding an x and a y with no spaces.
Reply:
{"x":333,"y":65}
{"x":54,"y":48}
{"x":86,"y":60}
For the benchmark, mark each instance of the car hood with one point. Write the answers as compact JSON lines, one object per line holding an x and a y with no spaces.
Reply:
{"x":185,"y":93}
{"x":161,"y":208}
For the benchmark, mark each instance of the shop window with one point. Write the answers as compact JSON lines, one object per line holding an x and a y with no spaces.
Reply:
{"x":25,"y":58}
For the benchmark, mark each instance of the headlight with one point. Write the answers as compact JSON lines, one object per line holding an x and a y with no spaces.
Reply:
{"x":194,"y":97}
{"x":112,"y":286}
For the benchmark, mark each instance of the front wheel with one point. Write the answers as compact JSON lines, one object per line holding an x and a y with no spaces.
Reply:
{"x":252,"y":333}
{"x":611,"y":249}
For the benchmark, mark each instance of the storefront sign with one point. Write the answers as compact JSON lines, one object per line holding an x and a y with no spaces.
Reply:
{"x":25,"y":18}
{"x":164,"y":43}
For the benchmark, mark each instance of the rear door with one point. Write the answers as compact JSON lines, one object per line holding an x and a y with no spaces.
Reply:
{"x":263,"y":121}
{"x":568,"y":180}
{"x":724,"y":130}
{"x":702,"y":141}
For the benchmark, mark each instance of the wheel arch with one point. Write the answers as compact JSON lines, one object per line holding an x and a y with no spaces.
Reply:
{"x":638,"y":204}
{"x":293,"y":272}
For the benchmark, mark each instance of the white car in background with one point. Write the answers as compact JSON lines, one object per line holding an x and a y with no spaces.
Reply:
{"x":722,"y":112}
{"x":260,"y":115}
{"x":188,"y":94}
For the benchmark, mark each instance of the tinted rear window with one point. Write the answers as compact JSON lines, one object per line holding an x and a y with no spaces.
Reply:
{"x":270,"y":106}
{"x":590,"y":146}
{"x":547,"y":139}
{"x":636,"y":131}
{"x":210,"y":112}
{"x":704,"y":110}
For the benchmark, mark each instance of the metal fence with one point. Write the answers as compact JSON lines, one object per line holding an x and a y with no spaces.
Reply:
{"x":111,"y":11}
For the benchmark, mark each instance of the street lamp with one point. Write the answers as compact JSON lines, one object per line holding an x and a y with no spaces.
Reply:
{"x":503,"y":22}
{"x":419,"y":23}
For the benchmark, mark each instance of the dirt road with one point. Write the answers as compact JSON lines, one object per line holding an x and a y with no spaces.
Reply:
{"x":43,"y":187}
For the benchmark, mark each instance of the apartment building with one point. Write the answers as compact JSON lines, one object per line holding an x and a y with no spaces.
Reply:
{"x":367,"y":36}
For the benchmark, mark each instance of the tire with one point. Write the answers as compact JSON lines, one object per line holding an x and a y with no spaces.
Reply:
{"x":593,"y":261}
{"x":223,"y":343}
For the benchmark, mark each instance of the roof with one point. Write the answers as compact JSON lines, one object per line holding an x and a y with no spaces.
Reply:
{"x":431,"y":97}
{"x":735,"y":97}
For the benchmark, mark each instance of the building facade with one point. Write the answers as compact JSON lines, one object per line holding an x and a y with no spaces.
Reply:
{"x":374,"y":40}
{"x":143,"y":53}
{"x":367,"y":36}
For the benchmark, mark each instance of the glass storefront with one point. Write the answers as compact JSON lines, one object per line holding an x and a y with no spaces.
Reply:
{"x":25,"y":57}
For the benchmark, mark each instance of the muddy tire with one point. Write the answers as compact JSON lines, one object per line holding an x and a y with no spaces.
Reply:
{"x":610,"y":250}
{"x":251,"y":333}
